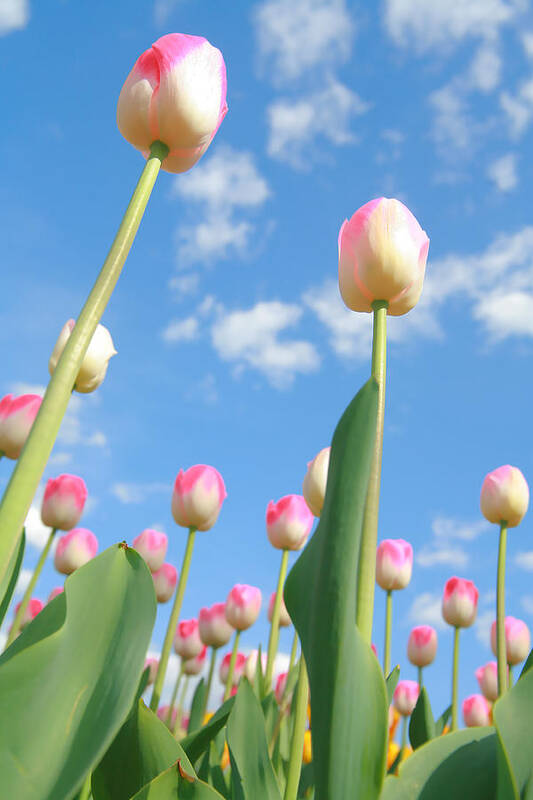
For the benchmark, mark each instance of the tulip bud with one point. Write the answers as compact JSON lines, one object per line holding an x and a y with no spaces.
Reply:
{"x":162,"y":713}
{"x":152,"y":546}
{"x":504,"y":496}
{"x":284,"y":619}
{"x":187,"y":642}
{"x":517,"y":640}
{"x":55,"y":593}
{"x":193,"y":666}
{"x":316,"y":478}
{"x":175,"y":93}
{"x":198,"y":496}
{"x":487,"y":677}
{"x":214,"y":629}
{"x":33,"y":608}
{"x":152,"y":664}
{"x":394,"y":564}
{"x":16,"y":418}
{"x":422,"y":645}
{"x":223,"y":670}
{"x":243,"y":606}
{"x":165,"y":579}
{"x":382,"y":256}
{"x":459,"y":602}
{"x":250,"y":665}
{"x":95,"y":361}
{"x":281,"y":683}
{"x":405,"y":697}
{"x":75,"y":549}
{"x":63,"y":502}
{"x":476,"y":711}
{"x":288,"y":522}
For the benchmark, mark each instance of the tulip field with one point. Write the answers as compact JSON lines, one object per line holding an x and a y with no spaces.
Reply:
{"x":88,"y":709}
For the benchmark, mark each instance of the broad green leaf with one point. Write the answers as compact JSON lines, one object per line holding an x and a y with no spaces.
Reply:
{"x":421,"y":724}
{"x":197,"y":743}
{"x":196,"y":716}
{"x":7,"y":587}
{"x":68,"y":681}
{"x":458,"y":765}
{"x":348,"y":693}
{"x":392,"y":682}
{"x":211,"y":772}
{"x":527,"y":666}
{"x":271,"y":715}
{"x":512,"y":716}
{"x":307,"y":779}
{"x":252,"y":774}
{"x":442,"y":721}
{"x":177,"y":782}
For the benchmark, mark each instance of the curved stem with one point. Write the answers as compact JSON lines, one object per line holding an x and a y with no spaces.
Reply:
{"x":500,"y":612}
{"x":173,"y":698}
{"x":273,"y":638}
{"x":179,"y":712}
{"x":173,"y":621}
{"x":388,"y":629}
{"x":420,"y":678}
{"x":367,"y":554}
{"x":210,"y":678}
{"x":231,"y":670}
{"x":298,"y":733}
{"x":455,"y":679}
{"x":32,"y":461}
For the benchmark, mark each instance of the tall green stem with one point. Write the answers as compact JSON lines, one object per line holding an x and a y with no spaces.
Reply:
{"x":214,"y":651}
{"x":367,"y":554}
{"x":179,"y":711}
{"x":500,"y":612}
{"x":388,"y":630}
{"x":511,"y":676}
{"x":298,"y":733}
{"x":19,"y":616}
{"x":455,"y":679}
{"x":273,"y":638}
{"x":294,"y":648}
{"x":173,"y":621}
{"x":174,"y":695}
{"x":420,"y":678}
{"x":85,"y":792}
{"x":231,"y":670}
{"x":32,"y":461}
{"x":404,"y":732}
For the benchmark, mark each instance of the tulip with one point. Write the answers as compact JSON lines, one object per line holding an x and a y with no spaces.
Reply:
{"x":238,"y":668}
{"x":288,"y":522}
{"x":95,"y":361}
{"x":405,"y":697}
{"x":152,"y":664}
{"x":242,"y":606}
{"x":487,"y":677}
{"x":165,"y":579}
{"x":476,"y":711}
{"x":198,"y":496}
{"x":16,"y":418}
{"x":152,"y":546}
{"x":55,"y":593}
{"x":33,"y":608}
{"x":281,"y":684}
{"x":63,"y":502}
{"x":284,"y":618}
{"x":187,"y":642}
{"x":250,"y":665}
{"x":394,"y":564}
{"x":316,"y":477}
{"x":215,"y":631}
{"x":517,"y":640}
{"x":194,"y":665}
{"x":176,"y":94}
{"x":75,"y":549}
{"x":459,"y":608}
{"x":422,"y":648}
{"x":504,"y":496}
{"x":163,"y":713}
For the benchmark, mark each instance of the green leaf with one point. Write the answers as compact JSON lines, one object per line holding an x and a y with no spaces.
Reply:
{"x":252,"y":774}
{"x":7,"y":587}
{"x":457,"y":765}
{"x":197,"y":707}
{"x":197,"y":743}
{"x":348,"y":692}
{"x":527,"y":666}
{"x":68,"y":681}
{"x":512,"y":716}
{"x":171,"y":784}
{"x":421,"y":724}
{"x":392,"y":682}
{"x":442,"y":721}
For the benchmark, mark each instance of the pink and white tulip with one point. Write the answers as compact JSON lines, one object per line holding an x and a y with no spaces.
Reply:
{"x":517,"y":640}
{"x":382,"y":256}
{"x":55,"y":593}
{"x":175,"y":93}
{"x":487,"y":677}
{"x":75,"y":549}
{"x":422,"y":645}
{"x":289,"y":522}
{"x":405,"y":697}
{"x":33,"y":608}
{"x":476,"y":711}
{"x":95,"y":361}
{"x":394,"y":564}
{"x":214,"y":628}
{"x":279,"y":690}
{"x":165,"y":579}
{"x":162,"y":713}
{"x":316,"y":478}
{"x":17,"y":415}
{"x":505,"y":496}
{"x":284,"y":619}
{"x":152,"y":664}
{"x":193,"y":666}
{"x":187,"y":642}
{"x":63,"y":502}
{"x":250,"y":665}
{"x":152,"y":546}
{"x":243,"y":606}
{"x":459,"y":602}
{"x":223,"y":670}
{"x":198,"y":496}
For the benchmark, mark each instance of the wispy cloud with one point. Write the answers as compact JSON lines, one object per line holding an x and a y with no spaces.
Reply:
{"x":502,"y":172}
{"x":524,"y":560}
{"x":426,"y":608}
{"x":135,"y":493}
{"x":14,"y":15}
{"x":444,"y":549}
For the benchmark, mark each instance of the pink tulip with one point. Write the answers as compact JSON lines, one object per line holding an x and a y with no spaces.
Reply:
{"x":162,"y":713}
{"x":422,"y":645}
{"x":374,"y":649}
{"x":187,"y":642}
{"x":152,"y":664}
{"x":237,"y":672}
{"x":517,"y":640}
{"x":33,"y":608}
{"x":16,"y":418}
{"x":250,"y":665}
{"x":281,"y":683}
{"x":504,"y":496}
{"x":165,"y":579}
{"x":63,"y":502}
{"x":95,"y":361}
{"x":243,"y":606}
{"x":394,"y":564}
{"x":152,"y":546}
{"x":405,"y":697}
{"x":476,"y":711}
{"x":193,"y":666}
{"x":75,"y":549}
{"x":459,"y":602}
{"x":316,"y":478}
{"x":382,"y":256}
{"x":198,"y":496}
{"x":289,"y":522}
{"x":55,"y":593}
{"x":284,"y":619}
{"x":214,"y":629}
{"x":487,"y":677}
{"x":175,"y":93}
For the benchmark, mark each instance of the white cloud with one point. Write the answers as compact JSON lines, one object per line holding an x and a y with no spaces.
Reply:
{"x":527,"y":603}
{"x":14,"y":15}
{"x":184,"y":284}
{"x":450,"y":528}
{"x":181,"y":330}
{"x":426,"y":608}
{"x":502,"y":172}
{"x":443,"y":548}
{"x":527,"y":43}
{"x":451,"y":556}
{"x":36,"y":533}
{"x":295,"y":36}
{"x":163,"y":10}
{"x":135,"y":493}
{"x":452,"y":124}
{"x":252,"y":338}
{"x":524,"y":560}
{"x":23,"y":581}
{"x":485,"y":69}
{"x":482,"y":627}
{"x":518,"y":108}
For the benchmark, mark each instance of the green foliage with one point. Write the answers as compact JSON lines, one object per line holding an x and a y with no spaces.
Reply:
{"x":197,"y":743}
{"x":512,"y":715}
{"x":392,"y":682}
{"x":348,"y":692}
{"x":196,"y":716}
{"x":421,"y":724}
{"x":177,"y":782}
{"x":442,"y":721}
{"x":9,"y":581}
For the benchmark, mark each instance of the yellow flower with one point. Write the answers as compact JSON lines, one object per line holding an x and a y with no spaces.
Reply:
{"x":308,"y":750}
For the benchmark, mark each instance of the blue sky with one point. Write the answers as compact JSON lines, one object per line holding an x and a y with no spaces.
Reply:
{"x":234,"y":348}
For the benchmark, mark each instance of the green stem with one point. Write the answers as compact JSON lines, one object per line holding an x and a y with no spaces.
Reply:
{"x":179,"y":712}
{"x":511,"y":676}
{"x":214,"y":651}
{"x":500,"y":612}
{"x":173,"y":698}
{"x":173,"y":621}
{"x":32,"y":461}
{"x":19,"y":616}
{"x":85,"y":792}
{"x":273,"y":638}
{"x":298,"y":734}
{"x":420,"y":678}
{"x":404,"y":733}
{"x":388,"y":630}
{"x":455,"y":679}
{"x":231,"y":670}
{"x":294,"y":648}
{"x":367,"y":554}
